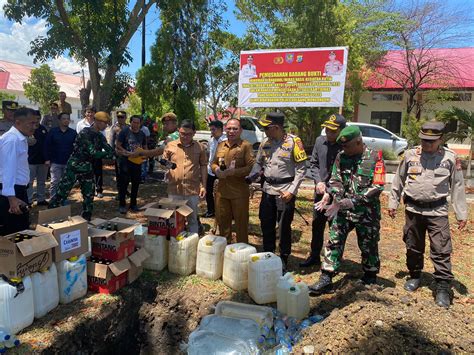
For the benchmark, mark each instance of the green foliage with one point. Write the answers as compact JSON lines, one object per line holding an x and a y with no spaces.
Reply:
{"x":121,"y":89}
{"x":466,"y":124}
{"x":388,"y":155}
{"x":41,"y":87}
{"x":411,"y":128}
{"x":6,"y":96}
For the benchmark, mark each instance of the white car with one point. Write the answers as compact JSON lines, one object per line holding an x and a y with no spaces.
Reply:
{"x":377,"y":137}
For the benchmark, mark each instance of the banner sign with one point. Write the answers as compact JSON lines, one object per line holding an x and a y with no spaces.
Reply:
{"x":307,"y":77}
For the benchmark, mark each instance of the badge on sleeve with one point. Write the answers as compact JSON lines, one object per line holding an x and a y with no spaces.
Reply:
{"x":298,"y":150}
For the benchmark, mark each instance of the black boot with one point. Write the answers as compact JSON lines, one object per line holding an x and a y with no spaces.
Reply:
{"x":284,"y":261}
{"x":324,"y":285}
{"x":413,"y":282}
{"x":369,"y":278}
{"x":443,"y":294}
{"x":310,"y":261}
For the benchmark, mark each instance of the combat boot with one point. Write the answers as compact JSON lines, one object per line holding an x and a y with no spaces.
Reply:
{"x":369,"y":278}
{"x":413,"y":283}
{"x":324,"y":285}
{"x":443,"y":296}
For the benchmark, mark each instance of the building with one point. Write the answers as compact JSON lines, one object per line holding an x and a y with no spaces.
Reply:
{"x":13,"y":75}
{"x":384,"y":102}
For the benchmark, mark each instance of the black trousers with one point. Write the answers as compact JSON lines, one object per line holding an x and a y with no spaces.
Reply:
{"x":269,"y":215}
{"x":9,"y":222}
{"x":414,"y":236}
{"x":210,"y":193}
{"x":98,"y":176}
{"x":319,"y":225}
{"x":128,"y":172}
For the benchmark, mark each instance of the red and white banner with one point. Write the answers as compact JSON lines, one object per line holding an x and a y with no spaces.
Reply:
{"x":307,"y":77}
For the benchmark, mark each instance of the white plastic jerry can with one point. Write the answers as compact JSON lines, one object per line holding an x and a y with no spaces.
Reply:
{"x":284,"y":283}
{"x":45,"y":291}
{"x":16,"y":305}
{"x":236,"y":261}
{"x":298,"y":301}
{"x":72,"y":279}
{"x":157,"y":247}
{"x":210,"y":256}
{"x":182,"y":253}
{"x":264,"y":272}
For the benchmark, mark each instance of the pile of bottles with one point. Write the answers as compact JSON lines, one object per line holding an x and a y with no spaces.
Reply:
{"x":7,"y":341}
{"x":46,"y":225}
{"x":21,"y":237}
{"x":97,"y":260}
{"x":109,"y":227}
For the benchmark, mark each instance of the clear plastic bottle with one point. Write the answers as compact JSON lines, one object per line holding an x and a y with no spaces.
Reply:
{"x":7,"y":341}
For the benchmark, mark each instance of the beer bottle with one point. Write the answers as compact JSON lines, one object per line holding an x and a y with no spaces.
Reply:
{"x":116,"y":227}
{"x":109,"y":226}
{"x":222,"y":164}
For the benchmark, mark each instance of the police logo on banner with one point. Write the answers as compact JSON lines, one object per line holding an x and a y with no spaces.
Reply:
{"x":289,"y":57}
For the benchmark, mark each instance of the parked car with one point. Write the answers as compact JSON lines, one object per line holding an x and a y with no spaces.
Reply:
{"x":380,"y":138}
{"x":251,"y":131}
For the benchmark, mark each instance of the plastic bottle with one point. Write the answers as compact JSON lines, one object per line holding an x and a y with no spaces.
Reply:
{"x":45,"y":290}
{"x":157,"y":247}
{"x":8,"y":341}
{"x":182,"y":253}
{"x":210,"y":257}
{"x":72,"y":279}
{"x":298,"y":301}
{"x":264,"y":270}
{"x":284,"y":283}
{"x":236,"y":265}
{"x":16,"y":304}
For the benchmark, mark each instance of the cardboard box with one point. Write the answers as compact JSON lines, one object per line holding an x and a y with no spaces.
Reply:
{"x":21,"y":259}
{"x":105,"y":245}
{"x":107,"y":279}
{"x":136,"y":264}
{"x":71,"y":233}
{"x":169,"y":217}
{"x":124,"y":230}
{"x":139,"y":231}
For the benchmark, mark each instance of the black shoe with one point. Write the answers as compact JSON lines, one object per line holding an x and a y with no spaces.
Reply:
{"x":324,"y":285}
{"x":208,"y":215}
{"x":42,"y":203}
{"x":369,"y":278}
{"x":310,"y":261}
{"x":134,"y":209}
{"x":284,"y":261}
{"x":443,"y":295}
{"x":123,"y":210}
{"x":201,"y":229}
{"x":412,"y":285}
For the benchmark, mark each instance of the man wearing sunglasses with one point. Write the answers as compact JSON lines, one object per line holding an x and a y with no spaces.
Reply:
{"x":282,"y":159}
{"x":426,"y":176}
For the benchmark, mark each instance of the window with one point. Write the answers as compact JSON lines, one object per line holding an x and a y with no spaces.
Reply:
{"x":390,"y":120}
{"x":378,"y":133}
{"x":387,"y":97}
{"x":461,"y":96}
{"x":246,"y":124}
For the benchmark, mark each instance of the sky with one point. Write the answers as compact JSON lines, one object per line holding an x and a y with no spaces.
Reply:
{"x":15,"y":38}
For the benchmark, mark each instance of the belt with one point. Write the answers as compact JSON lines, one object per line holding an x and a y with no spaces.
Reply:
{"x":421,"y":204}
{"x":18,"y":186}
{"x":276,"y":181}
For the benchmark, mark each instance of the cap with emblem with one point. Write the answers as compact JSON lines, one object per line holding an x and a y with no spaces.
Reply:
{"x":276,"y":118}
{"x":431,"y":130}
{"x":334,"y":122}
{"x":169,"y":116}
{"x":102,"y":116}
{"x":348,"y":134}
{"x":121,"y":114}
{"x":9,"y":105}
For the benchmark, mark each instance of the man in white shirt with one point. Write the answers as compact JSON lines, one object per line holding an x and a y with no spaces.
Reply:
{"x":249,"y":70}
{"x":217,"y":136}
{"x":15,"y":173}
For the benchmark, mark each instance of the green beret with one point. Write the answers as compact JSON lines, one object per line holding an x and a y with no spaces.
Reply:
{"x":348,"y":134}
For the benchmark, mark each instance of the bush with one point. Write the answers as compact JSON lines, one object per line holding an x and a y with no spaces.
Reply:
{"x":389,"y":155}
{"x":410,"y":128}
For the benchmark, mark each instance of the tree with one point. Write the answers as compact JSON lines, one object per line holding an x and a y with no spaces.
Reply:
{"x":6,"y":96}
{"x":465,"y":130}
{"x":427,"y":25}
{"x":93,"y":32}
{"x":41,"y":87}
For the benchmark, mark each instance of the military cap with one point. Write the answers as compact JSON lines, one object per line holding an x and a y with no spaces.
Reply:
{"x":102,"y":116}
{"x":334,"y":122}
{"x":272,"y":118}
{"x":9,"y":105}
{"x":121,"y":114}
{"x":348,"y":134}
{"x":169,"y":116}
{"x":431,"y":130}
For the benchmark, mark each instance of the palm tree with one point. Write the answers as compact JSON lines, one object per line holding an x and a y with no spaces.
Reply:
{"x":465,"y":129}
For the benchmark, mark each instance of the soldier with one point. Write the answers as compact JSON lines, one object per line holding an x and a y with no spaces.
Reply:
{"x":90,"y":144}
{"x":282,"y":158}
{"x":356,"y":183}
{"x":324,"y":153}
{"x":426,"y":176}
{"x":8,"y":109}
{"x":232,"y":163}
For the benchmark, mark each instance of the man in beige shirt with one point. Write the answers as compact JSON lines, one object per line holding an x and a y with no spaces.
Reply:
{"x":426,"y":176}
{"x":188,"y":180}
{"x":232,"y":163}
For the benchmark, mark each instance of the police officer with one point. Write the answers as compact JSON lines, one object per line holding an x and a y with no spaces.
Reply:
{"x":232,"y":162}
{"x":282,"y":159}
{"x":90,"y":144}
{"x":426,"y":176}
{"x":8,"y":110}
{"x":324,"y":153}
{"x":356,"y":183}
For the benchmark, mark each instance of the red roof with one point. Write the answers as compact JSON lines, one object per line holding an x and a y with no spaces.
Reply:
{"x":227,"y":113}
{"x":448,"y":68}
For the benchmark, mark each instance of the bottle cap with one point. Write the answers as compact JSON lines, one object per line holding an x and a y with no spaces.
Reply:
{"x":74,"y":258}
{"x":255,"y":258}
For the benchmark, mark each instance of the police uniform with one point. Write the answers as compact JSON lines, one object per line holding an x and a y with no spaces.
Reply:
{"x":424,"y":181}
{"x":356,"y":184}
{"x":284,"y":166}
{"x":89,"y":145}
{"x":6,"y":124}
{"x":232,"y":194}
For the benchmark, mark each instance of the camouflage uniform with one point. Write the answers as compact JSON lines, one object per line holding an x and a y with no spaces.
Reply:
{"x":352,"y":178}
{"x":89,"y":145}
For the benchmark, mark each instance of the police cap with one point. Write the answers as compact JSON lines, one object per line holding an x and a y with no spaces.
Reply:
{"x":334,"y":122}
{"x":9,"y":105}
{"x":276,"y":118}
{"x":121,"y":114}
{"x":431,"y":130}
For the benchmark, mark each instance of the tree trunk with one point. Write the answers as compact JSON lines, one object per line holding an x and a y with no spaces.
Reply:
{"x":469,"y":160}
